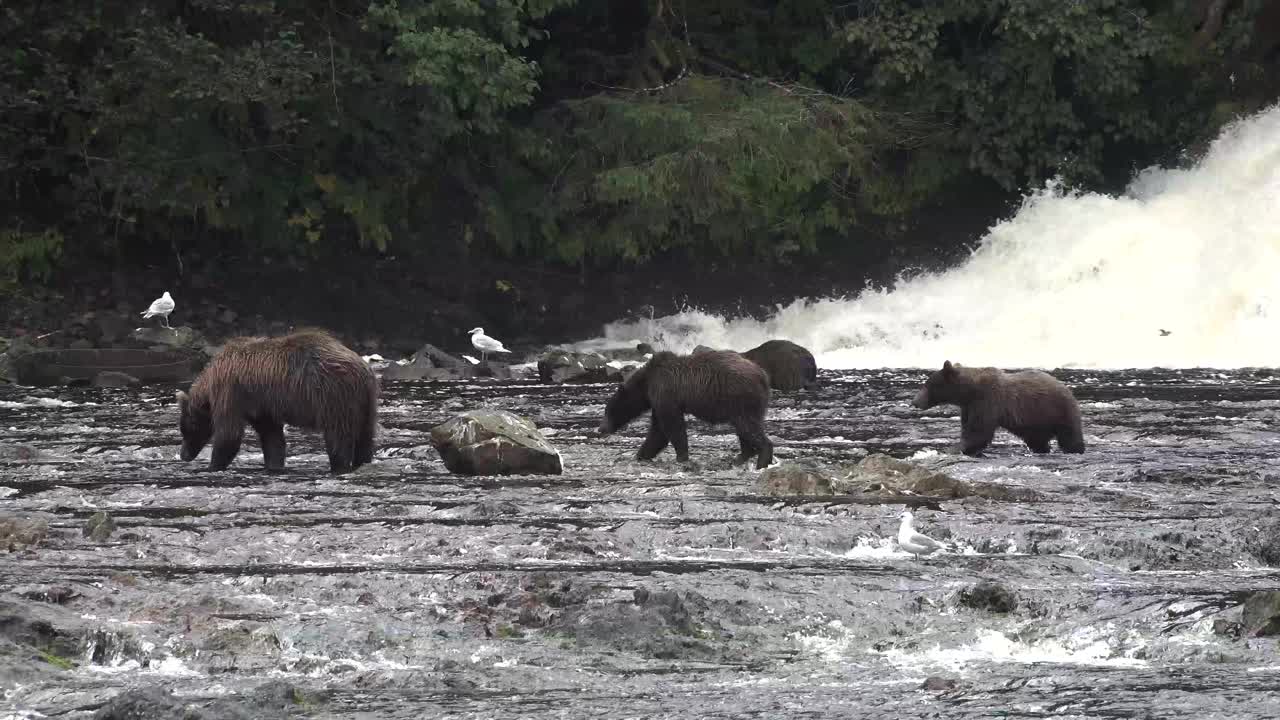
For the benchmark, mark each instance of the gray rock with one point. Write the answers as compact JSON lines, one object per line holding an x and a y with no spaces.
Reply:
{"x":111,"y":378}
{"x":563,"y":366}
{"x":112,"y":327}
{"x":17,"y":533}
{"x":989,"y":596}
{"x":439,"y":358}
{"x":494,"y":442}
{"x":18,"y":453}
{"x":80,"y":344}
{"x":1260,"y":616}
{"x":178,"y":338}
{"x":99,"y":527}
{"x":796,"y":478}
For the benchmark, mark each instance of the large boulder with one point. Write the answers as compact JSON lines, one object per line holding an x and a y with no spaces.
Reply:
{"x":494,"y":442}
{"x":790,"y":366}
{"x":17,"y":533}
{"x":156,"y":337}
{"x":564,"y":366}
{"x":433,"y":364}
{"x":1260,"y":616}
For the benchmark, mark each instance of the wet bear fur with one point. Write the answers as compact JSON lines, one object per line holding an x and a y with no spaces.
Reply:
{"x":307,"y":379}
{"x":1031,"y":404}
{"x":714,"y":386}
{"x":789,"y":366}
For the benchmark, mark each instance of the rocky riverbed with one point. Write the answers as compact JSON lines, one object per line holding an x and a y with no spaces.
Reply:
{"x":1113,"y":584}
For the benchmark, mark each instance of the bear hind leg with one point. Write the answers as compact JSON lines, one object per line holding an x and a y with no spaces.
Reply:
{"x":271,"y":435}
{"x":655,"y":442}
{"x":1037,"y":439}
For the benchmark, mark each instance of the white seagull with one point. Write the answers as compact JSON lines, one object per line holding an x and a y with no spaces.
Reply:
{"x":912,"y":541}
{"x":161,"y":306}
{"x":485,"y":344}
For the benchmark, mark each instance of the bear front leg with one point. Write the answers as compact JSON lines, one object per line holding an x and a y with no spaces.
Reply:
{"x":271,"y":435}
{"x":672,"y":425}
{"x":975,"y":438}
{"x":654,"y":442}
{"x":226,"y":444}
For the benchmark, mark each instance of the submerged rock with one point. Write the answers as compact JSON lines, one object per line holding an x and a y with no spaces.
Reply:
{"x":796,"y":478}
{"x":990,"y":596}
{"x":114,"y":379}
{"x":494,"y":442}
{"x":435,"y":365}
{"x":882,"y":474}
{"x":1260,"y":616}
{"x":17,"y":533}
{"x":18,"y":453}
{"x":99,"y":527}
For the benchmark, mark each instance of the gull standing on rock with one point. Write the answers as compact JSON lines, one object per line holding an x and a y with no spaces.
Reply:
{"x":912,"y":541}
{"x":485,"y":344}
{"x":161,"y":306}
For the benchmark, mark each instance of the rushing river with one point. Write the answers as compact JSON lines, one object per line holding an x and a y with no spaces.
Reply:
{"x":648,"y":590}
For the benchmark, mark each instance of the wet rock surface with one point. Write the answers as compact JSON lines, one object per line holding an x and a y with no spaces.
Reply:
{"x":624,"y":589}
{"x":564,"y":366}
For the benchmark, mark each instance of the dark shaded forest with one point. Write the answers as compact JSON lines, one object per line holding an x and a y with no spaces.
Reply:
{"x":509,"y":153}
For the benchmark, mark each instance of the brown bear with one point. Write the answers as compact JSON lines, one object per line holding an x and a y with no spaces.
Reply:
{"x":1031,"y":404}
{"x":715,"y":386}
{"x":790,"y":366}
{"x":307,"y":379}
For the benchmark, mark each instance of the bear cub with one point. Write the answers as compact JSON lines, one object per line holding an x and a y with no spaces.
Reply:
{"x":715,"y":386}
{"x":307,"y":379}
{"x":1031,"y":404}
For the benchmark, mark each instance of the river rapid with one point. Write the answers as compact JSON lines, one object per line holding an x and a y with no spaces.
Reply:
{"x":623,"y":589}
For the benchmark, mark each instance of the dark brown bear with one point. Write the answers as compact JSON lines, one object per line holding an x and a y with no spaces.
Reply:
{"x":1031,"y":404}
{"x":307,"y":379}
{"x":790,"y":366}
{"x":715,"y":386}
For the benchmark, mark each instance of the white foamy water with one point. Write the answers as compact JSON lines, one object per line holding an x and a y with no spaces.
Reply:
{"x":1071,"y":280}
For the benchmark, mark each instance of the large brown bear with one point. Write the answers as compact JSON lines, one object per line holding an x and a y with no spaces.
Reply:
{"x":307,"y":379}
{"x":715,"y":386}
{"x":1031,"y":404}
{"x":790,"y":366}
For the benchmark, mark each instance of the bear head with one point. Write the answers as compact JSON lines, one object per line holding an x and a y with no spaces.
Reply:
{"x":196,"y":426}
{"x":946,"y":386}
{"x":629,"y":402}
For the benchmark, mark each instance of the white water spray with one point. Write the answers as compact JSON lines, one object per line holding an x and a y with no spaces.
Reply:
{"x":1072,"y":280}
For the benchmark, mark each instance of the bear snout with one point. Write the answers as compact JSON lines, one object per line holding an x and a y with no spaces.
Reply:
{"x":922,"y":400}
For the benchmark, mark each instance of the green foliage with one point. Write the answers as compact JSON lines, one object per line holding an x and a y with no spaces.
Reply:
{"x":28,"y":255}
{"x":577,"y":131}
{"x":1033,"y":87}
{"x":728,"y":168}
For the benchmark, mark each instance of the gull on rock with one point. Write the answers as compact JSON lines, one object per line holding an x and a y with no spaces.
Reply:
{"x":161,"y":306}
{"x":485,"y":344}
{"x":912,"y":541}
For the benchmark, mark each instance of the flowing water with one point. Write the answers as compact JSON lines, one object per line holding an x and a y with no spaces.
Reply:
{"x":646,"y":590}
{"x":1180,"y":271}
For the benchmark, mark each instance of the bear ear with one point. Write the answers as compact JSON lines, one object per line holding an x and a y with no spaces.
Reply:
{"x":948,"y":368}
